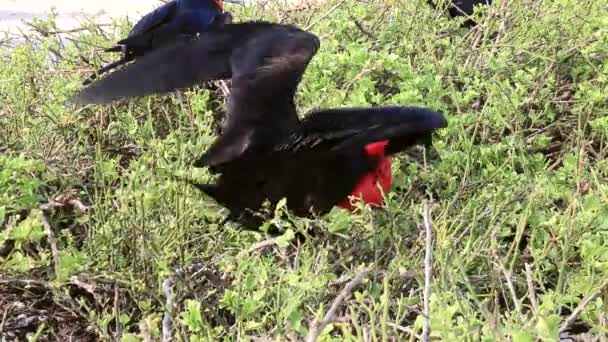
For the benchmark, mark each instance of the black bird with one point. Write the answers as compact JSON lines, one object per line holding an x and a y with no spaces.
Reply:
{"x":458,"y":8}
{"x":267,"y":152}
{"x":163,"y":25}
{"x":208,"y":57}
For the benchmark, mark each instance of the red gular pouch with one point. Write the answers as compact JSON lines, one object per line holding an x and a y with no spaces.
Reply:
{"x":367,"y":189}
{"x":219,"y":4}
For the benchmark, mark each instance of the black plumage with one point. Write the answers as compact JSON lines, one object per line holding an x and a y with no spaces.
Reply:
{"x":185,"y":62}
{"x":163,"y":25}
{"x":459,"y":8}
{"x":266,"y":152}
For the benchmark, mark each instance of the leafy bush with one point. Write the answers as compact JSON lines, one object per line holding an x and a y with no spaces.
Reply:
{"x":519,"y":188}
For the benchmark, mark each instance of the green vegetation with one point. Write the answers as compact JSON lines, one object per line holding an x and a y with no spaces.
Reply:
{"x":521,"y":178}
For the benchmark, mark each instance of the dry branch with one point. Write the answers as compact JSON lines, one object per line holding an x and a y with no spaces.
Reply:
{"x":316,"y":327}
{"x":64,"y":200}
{"x":259,"y":246}
{"x":428,"y":271}
{"x":51,"y":238}
{"x":531,"y":292}
{"x":510,"y":286}
{"x":167,"y":288}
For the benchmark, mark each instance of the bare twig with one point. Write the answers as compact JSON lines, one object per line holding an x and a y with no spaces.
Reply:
{"x":51,"y":238}
{"x":366,"y":337}
{"x":87,"y":287}
{"x":26,"y":283}
{"x":64,"y":200}
{"x":531,"y":292}
{"x":167,"y":288}
{"x":581,"y":306}
{"x":144,"y":331}
{"x":325,"y":15}
{"x":259,"y":339}
{"x":118,"y":331}
{"x":3,"y":322}
{"x":428,"y":272}
{"x":508,"y":275}
{"x":223,"y":85}
{"x":363,"y":29}
{"x":259,"y":246}
{"x":316,"y":327}
{"x":46,"y":32}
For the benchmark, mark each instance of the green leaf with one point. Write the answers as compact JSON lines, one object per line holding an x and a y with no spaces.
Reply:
{"x":130,"y":338}
{"x":294,"y":318}
{"x":29,"y":230}
{"x":522,"y":336}
{"x":70,"y":262}
{"x":548,"y":327}
{"x":192,"y":316}
{"x":19,"y":262}
{"x":283,"y":240}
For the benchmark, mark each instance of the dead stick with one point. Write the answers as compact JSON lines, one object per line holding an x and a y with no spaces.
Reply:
{"x":224,"y":88}
{"x":45,"y":32}
{"x":167,"y":288}
{"x":316,"y":327}
{"x":510,"y":286}
{"x":328,"y":13}
{"x":51,"y":238}
{"x":531,"y":291}
{"x":258,"y":246}
{"x":428,"y":272}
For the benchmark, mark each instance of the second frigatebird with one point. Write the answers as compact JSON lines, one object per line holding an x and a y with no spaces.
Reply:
{"x":168,"y":68}
{"x":459,"y":8}
{"x":161,"y":27}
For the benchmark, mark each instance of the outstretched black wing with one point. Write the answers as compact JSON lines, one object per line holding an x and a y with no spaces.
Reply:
{"x":336,"y":130}
{"x":185,"y":63}
{"x":261,"y":112}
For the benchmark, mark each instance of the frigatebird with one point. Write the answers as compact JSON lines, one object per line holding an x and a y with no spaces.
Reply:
{"x":208,"y":57}
{"x":459,"y":8}
{"x":163,"y":25}
{"x":266,"y":152}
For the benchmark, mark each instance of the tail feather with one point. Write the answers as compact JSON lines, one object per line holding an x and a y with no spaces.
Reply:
{"x":115,"y":48}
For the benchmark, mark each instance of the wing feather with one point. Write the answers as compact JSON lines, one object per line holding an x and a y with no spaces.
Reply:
{"x":185,"y":63}
{"x":266,"y":72}
{"x":335,"y":130}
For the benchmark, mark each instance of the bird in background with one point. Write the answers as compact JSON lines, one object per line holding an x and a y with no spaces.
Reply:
{"x":458,"y":8}
{"x":157,"y":71}
{"x":265,"y":151}
{"x":163,"y":25}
